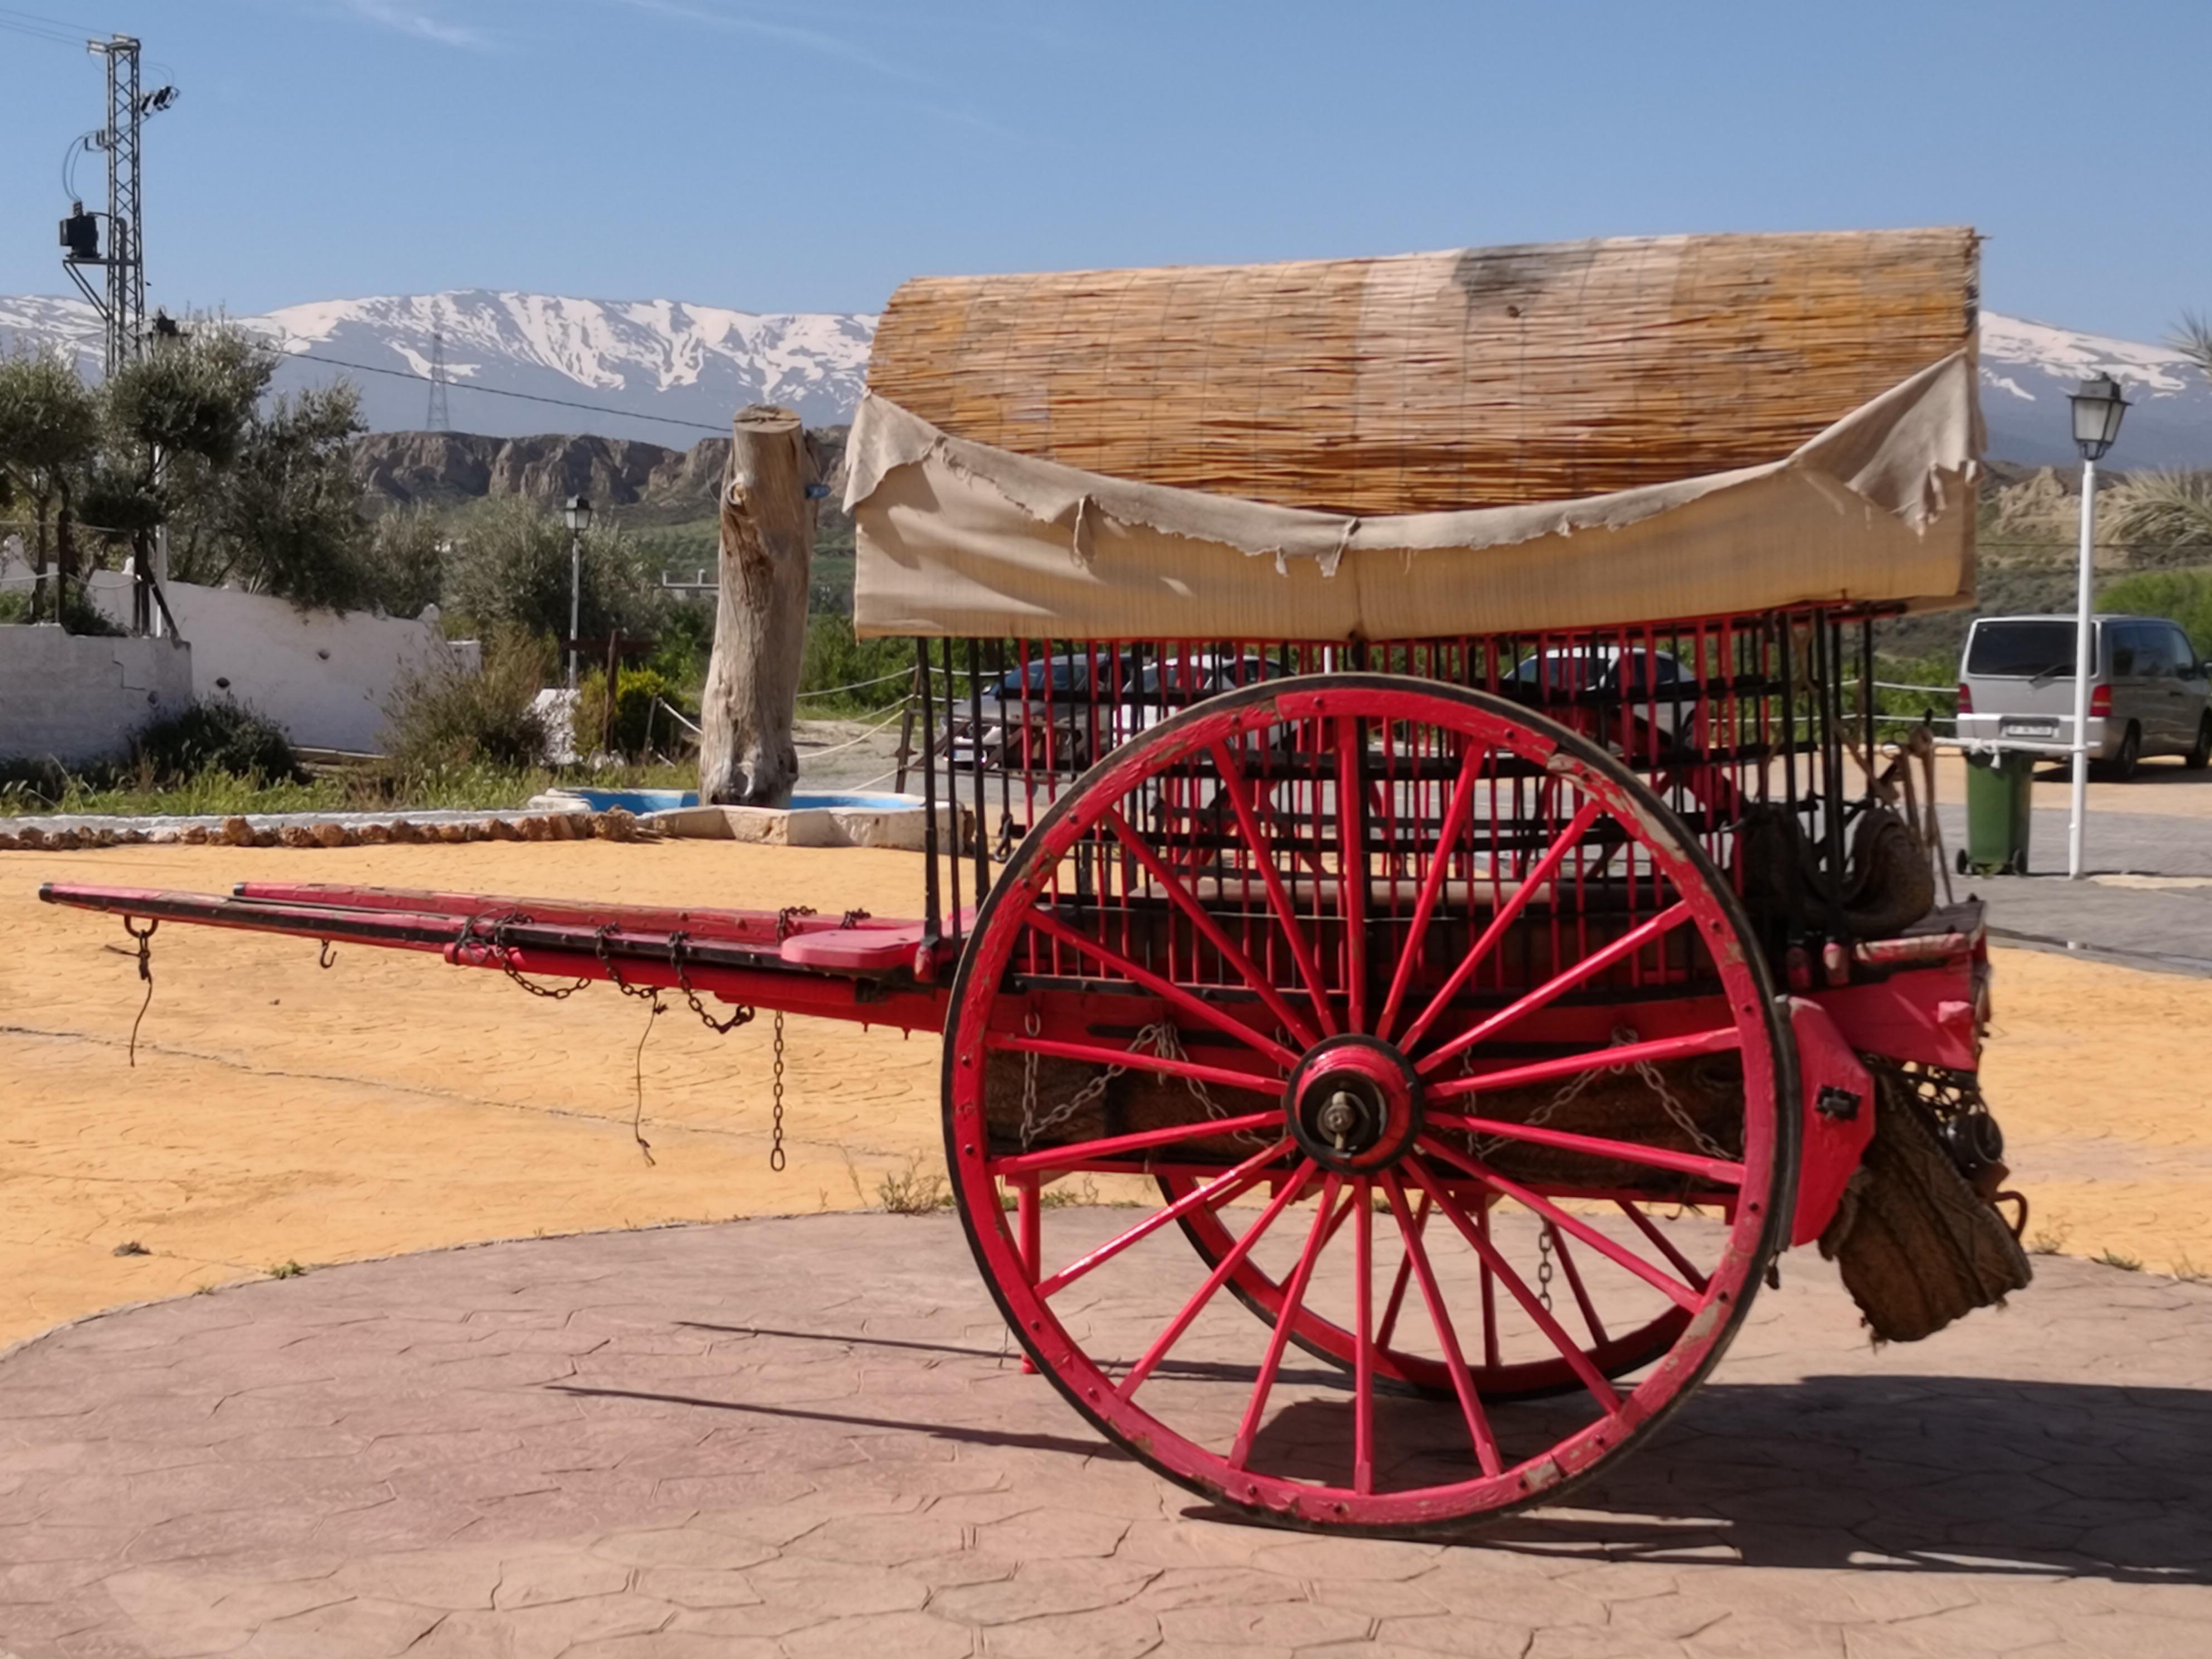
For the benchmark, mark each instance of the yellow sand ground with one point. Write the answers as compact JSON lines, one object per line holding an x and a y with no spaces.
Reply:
{"x":281,"y":1114}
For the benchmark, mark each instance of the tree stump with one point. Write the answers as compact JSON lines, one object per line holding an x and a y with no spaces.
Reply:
{"x":746,"y":753}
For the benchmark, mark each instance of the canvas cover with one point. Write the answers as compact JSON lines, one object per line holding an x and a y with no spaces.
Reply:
{"x":1463,"y":443}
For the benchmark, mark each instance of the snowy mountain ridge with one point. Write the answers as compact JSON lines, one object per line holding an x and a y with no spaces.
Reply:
{"x":650,"y":367}
{"x":669,"y":371}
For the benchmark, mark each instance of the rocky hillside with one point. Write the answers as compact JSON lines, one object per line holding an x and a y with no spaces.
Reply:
{"x":448,"y":468}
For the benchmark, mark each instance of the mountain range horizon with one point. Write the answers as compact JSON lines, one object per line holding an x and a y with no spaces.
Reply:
{"x":669,"y":372}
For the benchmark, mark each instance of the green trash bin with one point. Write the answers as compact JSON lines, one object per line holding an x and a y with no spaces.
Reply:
{"x":2000,"y":800}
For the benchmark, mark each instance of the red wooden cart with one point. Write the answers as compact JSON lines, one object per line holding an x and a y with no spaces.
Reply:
{"x":1486,"y":1008}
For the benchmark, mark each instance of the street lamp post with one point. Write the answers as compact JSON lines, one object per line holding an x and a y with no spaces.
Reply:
{"x":2098,"y":409}
{"x":578,"y":515}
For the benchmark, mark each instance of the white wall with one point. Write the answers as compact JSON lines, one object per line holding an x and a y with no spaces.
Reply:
{"x":78,"y":698}
{"x":325,"y":676}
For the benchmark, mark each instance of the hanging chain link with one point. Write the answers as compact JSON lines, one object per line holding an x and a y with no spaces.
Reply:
{"x":679,"y":950}
{"x":776,"y":1159}
{"x":1160,"y":1038}
{"x":1544,"y":1242}
{"x":495,"y":941}
{"x":1655,"y":1081}
{"x":1647,"y":1073}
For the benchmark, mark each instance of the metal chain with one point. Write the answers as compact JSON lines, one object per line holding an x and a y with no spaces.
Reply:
{"x":784,"y":918}
{"x":1160,"y":1038}
{"x":776,"y":1159}
{"x":1688,"y":1124}
{"x":1544,"y":1241}
{"x":678,"y":947}
{"x":1648,"y":1074}
{"x":495,"y":941}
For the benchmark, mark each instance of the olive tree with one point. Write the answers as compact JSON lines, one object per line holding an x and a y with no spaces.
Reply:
{"x":49,"y":433}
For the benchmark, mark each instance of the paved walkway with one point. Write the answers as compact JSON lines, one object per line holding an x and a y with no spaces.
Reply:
{"x":803,"y":1436}
{"x":2148,"y":903}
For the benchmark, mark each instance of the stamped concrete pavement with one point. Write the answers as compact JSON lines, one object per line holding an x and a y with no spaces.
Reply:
{"x":799,"y":1437}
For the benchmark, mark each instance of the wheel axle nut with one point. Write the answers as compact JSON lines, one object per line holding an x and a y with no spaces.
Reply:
{"x":1340,"y":1115}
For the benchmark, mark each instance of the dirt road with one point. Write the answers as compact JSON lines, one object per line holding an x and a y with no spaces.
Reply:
{"x":280,"y":1114}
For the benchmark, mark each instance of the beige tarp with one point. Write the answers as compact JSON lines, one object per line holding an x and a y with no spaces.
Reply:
{"x":960,"y":537}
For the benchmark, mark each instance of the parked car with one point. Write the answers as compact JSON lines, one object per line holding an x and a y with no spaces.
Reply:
{"x":1599,"y":678}
{"x":2148,"y":695}
{"x":1065,"y":711}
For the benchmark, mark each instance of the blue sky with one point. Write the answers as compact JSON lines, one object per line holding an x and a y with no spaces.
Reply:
{"x":776,"y":156}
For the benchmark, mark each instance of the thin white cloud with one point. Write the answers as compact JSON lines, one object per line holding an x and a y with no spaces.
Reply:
{"x":420,"y":24}
{"x":830,"y":46}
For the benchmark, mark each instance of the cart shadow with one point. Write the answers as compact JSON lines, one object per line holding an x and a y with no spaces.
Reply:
{"x":1904,"y":1473}
{"x":1888,"y":1473}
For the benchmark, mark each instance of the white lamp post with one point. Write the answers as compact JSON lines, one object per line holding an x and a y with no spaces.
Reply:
{"x":578,"y":516}
{"x":2097,"y":408}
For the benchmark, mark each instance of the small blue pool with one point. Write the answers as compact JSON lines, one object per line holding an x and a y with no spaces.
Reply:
{"x":665,"y":800}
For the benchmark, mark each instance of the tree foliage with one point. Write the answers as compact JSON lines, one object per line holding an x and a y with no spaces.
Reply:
{"x":285,"y":516}
{"x":2185,"y":596}
{"x":49,"y":433}
{"x":406,"y":560}
{"x":509,"y":566}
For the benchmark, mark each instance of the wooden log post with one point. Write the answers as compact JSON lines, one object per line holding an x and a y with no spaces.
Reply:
{"x":745,"y":754}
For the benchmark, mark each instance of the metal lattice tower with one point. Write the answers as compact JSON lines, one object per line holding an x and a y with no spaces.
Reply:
{"x":439,"y":418}
{"x":126,"y":265}
{"x":122,"y":301}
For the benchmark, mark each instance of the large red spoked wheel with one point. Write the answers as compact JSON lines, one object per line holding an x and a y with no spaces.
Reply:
{"x":1444,"y":1040}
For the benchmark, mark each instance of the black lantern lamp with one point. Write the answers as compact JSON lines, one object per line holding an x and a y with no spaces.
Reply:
{"x":2098,"y":409}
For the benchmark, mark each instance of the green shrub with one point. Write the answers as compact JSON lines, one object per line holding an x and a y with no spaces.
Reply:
{"x":447,"y":719}
{"x":637,"y":724}
{"x":80,"y":615}
{"x":835,"y":659}
{"x":222,"y":735}
{"x":2185,"y":596}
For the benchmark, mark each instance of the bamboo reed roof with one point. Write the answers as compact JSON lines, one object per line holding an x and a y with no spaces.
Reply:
{"x":1483,"y":377}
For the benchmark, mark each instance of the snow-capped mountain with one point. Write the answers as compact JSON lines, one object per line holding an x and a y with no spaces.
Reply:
{"x":691,"y":366}
{"x":656,"y":369}
{"x":2027,"y":370}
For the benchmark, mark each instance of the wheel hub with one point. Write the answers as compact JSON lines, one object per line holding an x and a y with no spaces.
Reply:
{"x":1354,"y":1104}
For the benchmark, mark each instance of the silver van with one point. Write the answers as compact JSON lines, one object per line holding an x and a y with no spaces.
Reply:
{"x":2016,"y":684}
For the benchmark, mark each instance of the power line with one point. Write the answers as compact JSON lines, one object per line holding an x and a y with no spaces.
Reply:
{"x":51,"y":29}
{"x":500,"y":391}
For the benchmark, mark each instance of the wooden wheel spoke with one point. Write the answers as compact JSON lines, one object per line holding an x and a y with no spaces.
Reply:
{"x":1132,"y":1060}
{"x":1362,"y":1363}
{"x":1720,"y":1171}
{"x":1479,"y":1241}
{"x":1470,"y":1404}
{"x":1649,"y":1229}
{"x":1184,"y":900}
{"x":1560,"y":983}
{"x":1352,"y":865}
{"x":1144,"y":1140}
{"x":1294,"y":1294}
{"x":1575,"y":1284}
{"x":1397,"y":1286}
{"x":1546,"y":868}
{"x":1212,"y":1195}
{"x":1229,"y":1263}
{"x":1717,"y":1040}
{"x":1682,"y":1295}
{"x":1053,"y":927}
{"x":1432,"y":887}
{"x":1239,"y":791}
